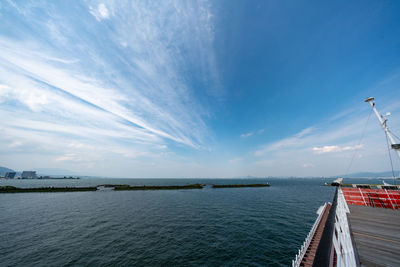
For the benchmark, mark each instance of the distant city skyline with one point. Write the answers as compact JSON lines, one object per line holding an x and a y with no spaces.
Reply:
{"x":198,"y":88}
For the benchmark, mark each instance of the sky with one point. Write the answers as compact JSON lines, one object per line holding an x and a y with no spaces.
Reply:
{"x":198,"y":88}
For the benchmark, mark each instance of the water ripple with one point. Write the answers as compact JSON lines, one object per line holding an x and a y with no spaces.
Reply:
{"x":227,"y":227}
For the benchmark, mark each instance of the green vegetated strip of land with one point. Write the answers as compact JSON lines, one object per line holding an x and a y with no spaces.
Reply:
{"x":13,"y":189}
{"x":163,"y":187}
{"x":239,"y":185}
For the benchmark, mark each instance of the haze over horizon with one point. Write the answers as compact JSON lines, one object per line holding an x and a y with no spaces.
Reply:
{"x":198,"y":88}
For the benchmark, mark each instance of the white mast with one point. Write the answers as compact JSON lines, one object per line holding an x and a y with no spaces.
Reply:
{"x":383,"y":121}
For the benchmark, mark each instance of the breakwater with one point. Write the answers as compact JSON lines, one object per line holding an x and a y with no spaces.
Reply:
{"x":120,"y":187}
{"x":13,"y":189}
{"x":154,"y":187}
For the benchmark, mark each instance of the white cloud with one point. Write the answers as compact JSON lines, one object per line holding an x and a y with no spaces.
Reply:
{"x":103,"y":11}
{"x":76,"y":145}
{"x":332,"y":149}
{"x":236,"y":160}
{"x":347,"y":148}
{"x":326,"y":149}
{"x":294,"y":154}
{"x":78,"y":89}
{"x":155,"y":106}
{"x":307,"y":165}
{"x":296,"y":140}
{"x":246,"y":135}
{"x":15,"y":144}
{"x":4,"y":92}
{"x":100,"y":13}
{"x":69,"y":157}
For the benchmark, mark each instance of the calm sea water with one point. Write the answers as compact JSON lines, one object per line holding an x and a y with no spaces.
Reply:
{"x":208,"y":227}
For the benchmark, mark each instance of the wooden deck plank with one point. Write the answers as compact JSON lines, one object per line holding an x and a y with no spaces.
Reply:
{"x":376,"y":233}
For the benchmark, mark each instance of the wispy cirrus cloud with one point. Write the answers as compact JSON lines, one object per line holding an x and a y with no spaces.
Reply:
{"x":15,"y":144}
{"x":245,"y":135}
{"x":109,"y":73}
{"x":294,"y":141}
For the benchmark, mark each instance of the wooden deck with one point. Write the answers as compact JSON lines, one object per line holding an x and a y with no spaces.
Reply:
{"x":376,"y":232}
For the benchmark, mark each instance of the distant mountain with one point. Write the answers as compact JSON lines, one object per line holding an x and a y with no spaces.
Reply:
{"x":370,"y":174}
{"x":3,"y":171}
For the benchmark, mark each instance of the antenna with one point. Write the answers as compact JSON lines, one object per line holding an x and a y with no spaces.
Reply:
{"x":369,"y":99}
{"x":383,"y":123}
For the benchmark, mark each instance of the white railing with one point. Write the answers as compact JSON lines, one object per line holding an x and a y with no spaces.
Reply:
{"x":341,"y":236}
{"x":302,"y":251}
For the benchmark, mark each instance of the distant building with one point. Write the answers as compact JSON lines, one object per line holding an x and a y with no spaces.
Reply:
{"x":28,"y":175}
{"x":10,"y":175}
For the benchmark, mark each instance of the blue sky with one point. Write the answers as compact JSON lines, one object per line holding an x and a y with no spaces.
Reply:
{"x":197,"y":88}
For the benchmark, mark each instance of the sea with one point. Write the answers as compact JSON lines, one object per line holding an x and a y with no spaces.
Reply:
{"x":198,"y":227}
